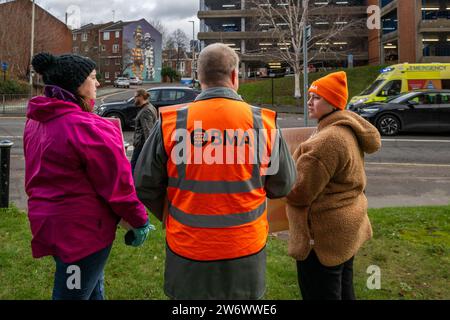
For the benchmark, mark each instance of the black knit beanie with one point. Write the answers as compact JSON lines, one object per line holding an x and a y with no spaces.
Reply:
{"x":67,"y":71}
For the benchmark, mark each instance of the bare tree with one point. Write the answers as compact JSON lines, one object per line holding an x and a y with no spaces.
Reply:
{"x":177,"y":41}
{"x":158,"y":25}
{"x":286,"y":25}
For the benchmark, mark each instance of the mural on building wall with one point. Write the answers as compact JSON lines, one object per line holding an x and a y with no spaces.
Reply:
{"x":143,"y":49}
{"x":137,"y":54}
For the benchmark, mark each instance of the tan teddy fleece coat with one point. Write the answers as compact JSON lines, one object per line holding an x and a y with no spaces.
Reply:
{"x":327,"y":208}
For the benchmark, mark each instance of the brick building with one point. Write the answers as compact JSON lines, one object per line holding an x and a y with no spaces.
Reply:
{"x":122,"y":48}
{"x":181,"y":62}
{"x":86,"y":41}
{"x":50,"y":35}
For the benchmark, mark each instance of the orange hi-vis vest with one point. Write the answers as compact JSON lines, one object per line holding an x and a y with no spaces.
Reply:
{"x":217,"y":200}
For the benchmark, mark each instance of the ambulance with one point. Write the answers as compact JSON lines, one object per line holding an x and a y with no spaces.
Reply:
{"x":404,"y":77}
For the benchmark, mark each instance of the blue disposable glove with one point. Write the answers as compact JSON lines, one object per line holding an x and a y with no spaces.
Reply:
{"x":136,"y":236}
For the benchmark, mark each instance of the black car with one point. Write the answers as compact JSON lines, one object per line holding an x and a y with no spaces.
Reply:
{"x":126,"y":111}
{"x":422,"y":110}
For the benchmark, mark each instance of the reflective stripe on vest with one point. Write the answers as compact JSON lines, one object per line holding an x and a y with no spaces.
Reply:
{"x":202,"y":224}
{"x":218,"y":186}
{"x":200,"y":220}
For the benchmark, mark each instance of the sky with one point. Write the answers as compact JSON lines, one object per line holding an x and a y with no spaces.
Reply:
{"x":173,"y":14}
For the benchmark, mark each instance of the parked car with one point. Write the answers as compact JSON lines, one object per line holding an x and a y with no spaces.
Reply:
{"x":126,"y":111}
{"x":421,"y":110}
{"x":186,"y":82}
{"x":135,"y":81}
{"x":122,"y":82}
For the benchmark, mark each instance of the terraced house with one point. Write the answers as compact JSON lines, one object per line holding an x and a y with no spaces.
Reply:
{"x":121,"y":48}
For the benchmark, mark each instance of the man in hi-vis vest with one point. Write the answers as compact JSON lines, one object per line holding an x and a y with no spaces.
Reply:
{"x":215,"y":161}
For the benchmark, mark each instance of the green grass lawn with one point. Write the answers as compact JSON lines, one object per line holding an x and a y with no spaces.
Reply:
{"x":260,"y":92}
{"x":410,"y":245}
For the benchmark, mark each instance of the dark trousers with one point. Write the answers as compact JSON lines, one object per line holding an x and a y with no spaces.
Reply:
{"x":91,"y":277}
{"x":318,"y":282}
{"x":134,"y":157}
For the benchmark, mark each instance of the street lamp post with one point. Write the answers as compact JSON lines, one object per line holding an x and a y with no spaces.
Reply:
{"x":193,"y":53}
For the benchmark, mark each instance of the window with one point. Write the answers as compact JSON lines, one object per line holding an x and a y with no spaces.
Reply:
{"x":117,"y":74}
{"x":154,"y":95}
{"x":430,"y":98}
{"x":117,"y":62}
{"x":106,"y":35}
{"x":115,"y":48}
{"x":172,"y":95}
{"x":75,"y":49}
{"x":86,"y":49}
{"x":389,"y":22}
{"x":372,"y":87}
{"x":117,"y":34}
{"x":106,"y":75}
{"x":84,"y":37}
{"x":180,"y":94}
{"x":445,"y":83}
{"x":181,"y":67}
{"x":445,"y":98}
{"x":74,"y":37}
{"x":106,"y":62}
{"x":426,"y":99}
{"x":168,"y":95}
{"x":103,"y":48}
{"x":392,"y":88}
{"x":416,"y":99}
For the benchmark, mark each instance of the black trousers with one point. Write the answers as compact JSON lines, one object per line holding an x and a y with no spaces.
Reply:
{"x":134,"y":157}
{"x":318,"y":282}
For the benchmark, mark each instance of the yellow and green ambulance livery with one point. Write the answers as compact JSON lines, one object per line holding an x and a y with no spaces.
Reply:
{"x":404,"y":77}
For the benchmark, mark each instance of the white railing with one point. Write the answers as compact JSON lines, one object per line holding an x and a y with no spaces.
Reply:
{"x":14,"y":103}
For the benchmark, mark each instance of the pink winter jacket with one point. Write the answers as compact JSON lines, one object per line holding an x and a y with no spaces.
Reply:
{"x":77,"y":178}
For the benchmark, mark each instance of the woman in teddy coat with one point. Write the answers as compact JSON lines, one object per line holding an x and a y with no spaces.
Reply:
{"x":327,"y":208}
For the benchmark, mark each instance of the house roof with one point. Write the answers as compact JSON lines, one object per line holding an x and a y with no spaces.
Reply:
{"x":120,"y":24}
{"x":117,"y":25}
{"x":91,"y":26}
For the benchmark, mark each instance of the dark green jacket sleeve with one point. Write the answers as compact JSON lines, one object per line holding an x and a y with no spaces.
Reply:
{"x":280,"y":183}
{"x":147,"y":122}
{"x":150,"y":175}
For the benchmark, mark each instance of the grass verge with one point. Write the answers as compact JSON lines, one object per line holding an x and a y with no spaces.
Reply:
{"x":410,"y":245}
{"x":260,"y":92}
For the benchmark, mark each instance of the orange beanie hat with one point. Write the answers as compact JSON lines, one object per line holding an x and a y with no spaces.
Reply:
{"x":332,"y":88}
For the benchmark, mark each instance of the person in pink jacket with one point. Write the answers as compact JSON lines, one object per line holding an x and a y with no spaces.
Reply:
{"x":77,"y":178}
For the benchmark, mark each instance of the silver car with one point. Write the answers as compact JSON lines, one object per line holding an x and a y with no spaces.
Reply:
{"x":135,"y":81}
{"x":122,"y":82}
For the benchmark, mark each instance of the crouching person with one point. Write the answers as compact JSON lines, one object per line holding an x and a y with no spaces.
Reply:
{"x":327,"y":208}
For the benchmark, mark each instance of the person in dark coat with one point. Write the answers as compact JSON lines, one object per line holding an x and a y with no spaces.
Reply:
{"x":145,"y":120}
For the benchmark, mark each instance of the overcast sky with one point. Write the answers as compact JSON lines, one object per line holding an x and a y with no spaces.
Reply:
{"x":172,"y":13}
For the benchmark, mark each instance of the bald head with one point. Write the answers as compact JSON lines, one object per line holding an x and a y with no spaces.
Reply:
{"x":218,"y":66}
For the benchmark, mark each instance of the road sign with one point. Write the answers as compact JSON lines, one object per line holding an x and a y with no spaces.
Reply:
{"x":4,"y":66}
{"x":308,"y":32}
